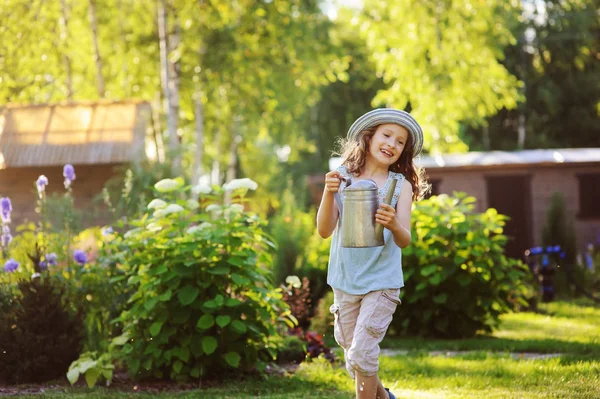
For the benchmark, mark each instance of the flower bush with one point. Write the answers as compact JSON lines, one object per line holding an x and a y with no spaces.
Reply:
{"x":458,"y":280}
{"x":202,"y":300}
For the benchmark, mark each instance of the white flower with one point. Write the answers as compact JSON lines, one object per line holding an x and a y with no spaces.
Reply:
{"x":234,"y":208}
{"x":192,"y":204}
{"x":173,"y":208}
{"x":240,"y":183}
{"x":132,"y":232}
{"x":35,"y":275}
{"x":213,"y":207}
{"x":168,"y":185}
{"x":294,"y":281}
{"x":201,"y":188}
{"x":159,"y":213}
{"x":157,"y":204}
{"x":154,"y":227}
{"x":195,"y":229}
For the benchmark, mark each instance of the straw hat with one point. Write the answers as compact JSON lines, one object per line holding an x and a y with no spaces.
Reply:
{"x":381,"y":116}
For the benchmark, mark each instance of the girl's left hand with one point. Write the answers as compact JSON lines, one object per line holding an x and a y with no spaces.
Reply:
{"x":386,"y":215}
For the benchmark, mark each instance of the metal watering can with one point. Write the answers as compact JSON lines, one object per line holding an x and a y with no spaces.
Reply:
{"x":357,"y":214}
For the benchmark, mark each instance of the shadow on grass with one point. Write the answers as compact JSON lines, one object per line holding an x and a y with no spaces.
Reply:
{"x":494,"y":344}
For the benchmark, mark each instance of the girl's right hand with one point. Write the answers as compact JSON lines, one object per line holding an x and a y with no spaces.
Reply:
{"x":332,"y":181}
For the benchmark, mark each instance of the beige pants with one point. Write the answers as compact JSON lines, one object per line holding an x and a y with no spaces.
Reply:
{"x":361,"y":322}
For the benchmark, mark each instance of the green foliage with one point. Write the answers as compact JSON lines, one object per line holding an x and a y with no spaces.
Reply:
{"x":24,"y":244}
{"x":444,"y":63}
{"x":93,"y":367}
{"x":127,"y":194}
{"x":39,"y":337}
{"x":202,"y":300}
{"x":322,"y":322}
{"x":291,"y":228}
{"x":556,"y":58}
{"x":458,"y":281}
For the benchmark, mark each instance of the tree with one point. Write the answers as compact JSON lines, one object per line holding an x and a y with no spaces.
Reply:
{"x":557,"y":59}
{"x":441,"y":60}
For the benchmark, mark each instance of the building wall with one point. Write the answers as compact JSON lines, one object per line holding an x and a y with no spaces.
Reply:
{"x":19,"y":185}
{"x":544,"y":182}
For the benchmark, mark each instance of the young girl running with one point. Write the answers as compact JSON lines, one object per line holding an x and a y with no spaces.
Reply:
{"x":366,"y":282}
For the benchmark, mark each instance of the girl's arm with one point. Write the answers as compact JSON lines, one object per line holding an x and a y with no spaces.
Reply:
{"x":398,"y":220}
{"x":327,"y":215}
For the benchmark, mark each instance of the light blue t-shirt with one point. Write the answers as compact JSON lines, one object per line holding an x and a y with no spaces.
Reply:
{"x":358,"y":271}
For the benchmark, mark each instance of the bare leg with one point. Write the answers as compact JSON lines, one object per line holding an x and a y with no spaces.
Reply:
{"x":369,"y":388}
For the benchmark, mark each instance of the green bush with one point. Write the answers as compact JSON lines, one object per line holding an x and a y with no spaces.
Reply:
{"x":39,"y":336}
{"x":202,"y":302}
{"x":458,"y":280}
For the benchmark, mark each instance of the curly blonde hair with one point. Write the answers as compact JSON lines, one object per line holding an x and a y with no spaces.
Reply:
{"x":354,"y":154}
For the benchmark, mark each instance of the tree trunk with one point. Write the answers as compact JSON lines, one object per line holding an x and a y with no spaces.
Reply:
{"x":64,"y":39}
{"x":232,"y":163}
{"x":124,"y":70}
{"x":97,"y":58}
{"x":199,"y":154}
{"x":170,"y":105}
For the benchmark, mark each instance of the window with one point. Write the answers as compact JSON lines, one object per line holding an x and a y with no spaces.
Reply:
{"x":589,"y":195}
{"x":435,"y":188}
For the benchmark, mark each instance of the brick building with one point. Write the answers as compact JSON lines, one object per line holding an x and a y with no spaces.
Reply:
{"x":520,"y":184}
{"x":95,"y":138}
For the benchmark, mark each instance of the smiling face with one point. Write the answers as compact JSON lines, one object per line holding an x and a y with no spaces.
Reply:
{"x":387,"y":143}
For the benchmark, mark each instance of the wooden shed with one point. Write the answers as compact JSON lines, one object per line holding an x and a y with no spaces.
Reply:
{"x":95,"y":137}
{"x":520,"y":184}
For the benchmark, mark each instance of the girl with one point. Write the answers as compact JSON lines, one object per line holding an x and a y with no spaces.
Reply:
{"x":366,"y":282}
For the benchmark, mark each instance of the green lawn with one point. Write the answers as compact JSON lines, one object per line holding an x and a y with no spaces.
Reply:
{"x":487,"y":371}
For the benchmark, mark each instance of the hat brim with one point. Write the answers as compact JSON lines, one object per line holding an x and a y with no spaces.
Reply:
{"x":381,"y":116}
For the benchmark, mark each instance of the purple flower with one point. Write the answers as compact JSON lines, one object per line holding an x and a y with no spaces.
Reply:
{"x":43,"y":265}
{"x":51,"y":259}
{"x":41,"y":184}
{"x":106,"y":231}
{"x":11,"y":265}
{"x":80,"y":257}
{"x":5,"y":209}
{"x":6,"y":238}
{"x":69,"y":174}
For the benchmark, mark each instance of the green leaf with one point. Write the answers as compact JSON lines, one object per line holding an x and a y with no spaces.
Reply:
{"x":236,"y":261}
{"x":91,"y":377}
{"x":182,"y":353}
{"x":155,"y":328}
{"x":165,"y":296}
{"x":121,"y":339}
{"x":151,"y":303}
{"x":223,"y":320}
{"x":209,"y":344}
{"x":177,"y":366}
{"x":187,"y":294}
{"x":232,"y":359}
{"x":241,"y":280}
{"x":232,"y":302}
{"x":238,"y":326}
{"x":73,"y":375}
{"x":195,"y":372}
{"x":219,"y":270}
{"x":441,"y":298}
{"x":427,"y":270}
{"x":205,"y":322}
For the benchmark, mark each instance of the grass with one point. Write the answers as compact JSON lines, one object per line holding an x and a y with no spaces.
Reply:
{"x":487,"y":371}
{"x":561,"y":327}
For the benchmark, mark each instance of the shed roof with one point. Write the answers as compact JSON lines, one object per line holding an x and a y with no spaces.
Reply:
{"x":77,"y":133}
{"x":545,"y":157}
{"x":499,"y":159}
